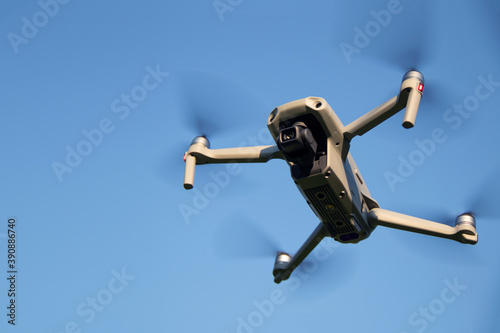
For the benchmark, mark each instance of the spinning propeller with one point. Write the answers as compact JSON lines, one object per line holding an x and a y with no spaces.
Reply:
{"x":397,"y":41}
{"x":238,"y":238}
{"x":209,"y":106}
{"x":212,"y":105}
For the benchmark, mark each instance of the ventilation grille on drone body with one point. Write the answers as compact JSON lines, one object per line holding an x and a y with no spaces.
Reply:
{"x":329,"y":208}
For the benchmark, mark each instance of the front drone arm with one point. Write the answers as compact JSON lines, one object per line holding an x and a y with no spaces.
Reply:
{"x":285,"y":265}
{"x":200,"y":153}
{"x":409,"y":97}
{"x":463,"y":232}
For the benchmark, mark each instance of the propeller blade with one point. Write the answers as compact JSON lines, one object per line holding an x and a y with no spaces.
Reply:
{"x":330,"y":267}
{"x":482,"y":203}
{"x":397,"y":38}
{"x":440,"y":250}
{"x":406,"y":44}
{"x":211,"y":105}
{"x":490,"y":14}
{"x":238,"y":238}
{"x":398,"y":41}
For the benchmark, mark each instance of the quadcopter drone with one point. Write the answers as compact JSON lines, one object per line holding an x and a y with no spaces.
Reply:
{"x":313,"y":141}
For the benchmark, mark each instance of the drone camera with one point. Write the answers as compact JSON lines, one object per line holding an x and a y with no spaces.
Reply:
{"x":297,"y":144}
{"x":288,"y":134}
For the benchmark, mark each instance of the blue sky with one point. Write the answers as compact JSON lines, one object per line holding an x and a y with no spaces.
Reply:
{"x":96,"y":108}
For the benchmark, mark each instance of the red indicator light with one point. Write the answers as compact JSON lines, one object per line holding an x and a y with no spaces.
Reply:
{"x":184,"y":157}
{"x":420,"y":87}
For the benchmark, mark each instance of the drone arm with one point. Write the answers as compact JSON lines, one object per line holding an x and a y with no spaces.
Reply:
{"x":409,"y":98}
{"x":199,"y":153}
{"x":282,"y":270}
{"x":464,"y":233}
{"x":256,"y":154}
{"x":373,"y":118}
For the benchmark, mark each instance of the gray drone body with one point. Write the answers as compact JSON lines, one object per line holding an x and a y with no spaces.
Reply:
{"x":313,"y":141}
{"x":327,"y":177}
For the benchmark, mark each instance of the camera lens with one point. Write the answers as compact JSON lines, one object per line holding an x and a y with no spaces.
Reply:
{"x":288,"y":134}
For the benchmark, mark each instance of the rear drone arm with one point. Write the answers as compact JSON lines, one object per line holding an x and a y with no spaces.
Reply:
{"x":463,"y":232}
{"x":409,"y":97}
{"x":285,"y":265}
{"x":200,"y":153}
